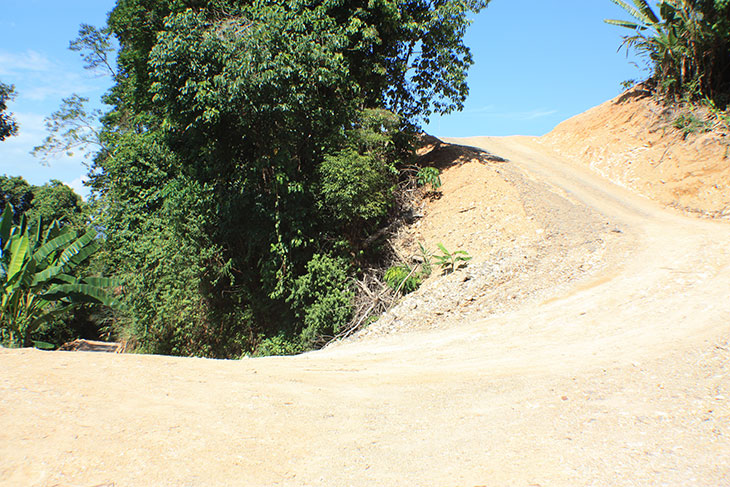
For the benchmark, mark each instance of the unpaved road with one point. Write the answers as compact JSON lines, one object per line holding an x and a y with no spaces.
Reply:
{"x":621,"y":380}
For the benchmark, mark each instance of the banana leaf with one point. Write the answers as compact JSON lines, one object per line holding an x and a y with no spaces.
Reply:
{"x":18,"y":251}
{"x":84,"y":253}
{"x":76,"y":246}
{"x":78,"y":293}
{"x":46,"y":275}
{"x":103,"y":282}
{"x":6,"y":223}
{"x":66,"y":236}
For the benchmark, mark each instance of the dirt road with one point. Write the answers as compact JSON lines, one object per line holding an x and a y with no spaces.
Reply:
{"x":621,"y":380}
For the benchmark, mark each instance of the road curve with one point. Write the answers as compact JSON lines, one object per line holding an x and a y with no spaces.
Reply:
{"x":621,"y":380}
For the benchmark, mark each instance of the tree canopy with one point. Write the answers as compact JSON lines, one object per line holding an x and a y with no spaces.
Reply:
{"x":8,"y":125}
{"x":251,"y":149}
{"x":50,"y":201}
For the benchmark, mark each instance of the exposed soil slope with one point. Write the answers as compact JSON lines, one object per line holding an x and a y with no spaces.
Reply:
{"x":586,"y":345}
{"x":631,"y":140}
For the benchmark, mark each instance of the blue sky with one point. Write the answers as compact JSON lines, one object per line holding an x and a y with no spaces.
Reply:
{"x":537,"y":62}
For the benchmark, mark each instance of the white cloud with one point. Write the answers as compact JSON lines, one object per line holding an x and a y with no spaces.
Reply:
{"x":491,"y":111}
{"x":78,"y":186}
{"x":534,"y":114}
{"x":15,"y":63}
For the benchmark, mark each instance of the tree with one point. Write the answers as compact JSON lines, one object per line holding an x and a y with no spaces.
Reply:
{"x":56,"y":201}
{"x":8,"y":125}
{"x":95,"y":46}
{"x":51,"y":201}
{"x":17,"y":192}
{"x":229,"y":122}
{"x":72,"y":127}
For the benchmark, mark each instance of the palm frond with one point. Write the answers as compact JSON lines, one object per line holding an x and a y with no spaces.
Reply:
{"x":635,"y":13}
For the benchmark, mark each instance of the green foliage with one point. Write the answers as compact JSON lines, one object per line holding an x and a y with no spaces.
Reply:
{"x":17,"y":192}
{"x":429,"y":175}
{"x":278,"y":345}
{"x":37,"y":275}
{"x":689,"y":123}
{"x":322,"y":298}
{"x":95,"y":46}
{"x":403,"y":278}
{"x":246,"y":142}
{"x":450,"y":261}
{"x":56,"y":201}
{"x":629,"y":83}
{"x":687,"y":45}
{"x":72,"y":127}
{"x":354,"y":187}
{"x":8,"y":125}
{"x":51,"y":201}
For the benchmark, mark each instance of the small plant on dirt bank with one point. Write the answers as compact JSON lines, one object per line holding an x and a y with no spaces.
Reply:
{"x":689,"y":123}
{"x":450,"y":261}
{"x":429,"y":175}
{"x":403,"y":278}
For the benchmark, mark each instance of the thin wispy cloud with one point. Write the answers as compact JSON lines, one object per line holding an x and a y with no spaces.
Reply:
{"x":534,"y":114}
{"x":16,"y":159}
{"x":39,"y":78}
{"x":492,"y":112}
{"x":16,"y":63}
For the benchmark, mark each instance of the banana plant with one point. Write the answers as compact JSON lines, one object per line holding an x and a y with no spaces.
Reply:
{"x":673,"y":40}
{"x":37,"y":268}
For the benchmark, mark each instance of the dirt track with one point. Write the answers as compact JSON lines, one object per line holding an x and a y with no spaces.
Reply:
{"x":621,"y":380}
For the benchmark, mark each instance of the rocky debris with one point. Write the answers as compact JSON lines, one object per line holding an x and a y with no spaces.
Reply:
{"x":81,"y":345}
{"x":528,"y":242}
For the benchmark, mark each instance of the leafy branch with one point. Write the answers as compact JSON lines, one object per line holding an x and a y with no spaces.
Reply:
{"x":70,"y":128}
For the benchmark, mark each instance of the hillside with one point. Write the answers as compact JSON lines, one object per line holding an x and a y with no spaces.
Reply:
{"x":587,"y":343}
{"x":639,"y":144}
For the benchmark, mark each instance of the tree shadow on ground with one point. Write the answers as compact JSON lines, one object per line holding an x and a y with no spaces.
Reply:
{"x":441,"y":155}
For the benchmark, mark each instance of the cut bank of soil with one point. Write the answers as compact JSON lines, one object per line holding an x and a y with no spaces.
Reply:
{"x":631,"y":141}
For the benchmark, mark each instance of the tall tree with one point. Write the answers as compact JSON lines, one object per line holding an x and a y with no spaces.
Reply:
{"x":236,"y":150}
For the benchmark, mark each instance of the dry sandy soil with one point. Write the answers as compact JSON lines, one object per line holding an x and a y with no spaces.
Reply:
{"x":631,"y":140}
{"x":585,"y":345}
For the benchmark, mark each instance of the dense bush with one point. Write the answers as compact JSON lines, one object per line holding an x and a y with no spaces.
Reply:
{"x":354,"y":187}
{"x":322,"y":298}
{"x":403,"y":278}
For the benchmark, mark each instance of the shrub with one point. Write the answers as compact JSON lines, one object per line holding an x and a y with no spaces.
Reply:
{"x":450,"y":261}
{"x":403,"y":278}
{"x":354,"y":187}
{"x":429,"y":175}
{"x":690,"y":123}
{"x":322,"y":298}
{"x":278,"y":345}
